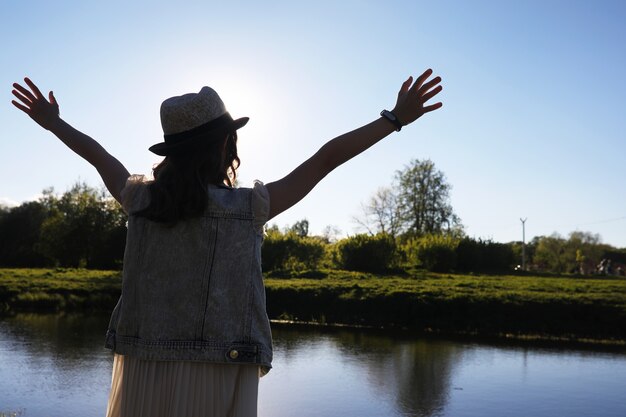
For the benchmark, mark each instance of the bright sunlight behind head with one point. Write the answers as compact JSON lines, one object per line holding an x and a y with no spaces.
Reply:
{"x":245,"y":95}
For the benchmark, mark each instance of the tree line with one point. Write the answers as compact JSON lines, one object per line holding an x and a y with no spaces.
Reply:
{"x":409,"y":225}
{"x":580,"y":253}
{"x":83,"y":227}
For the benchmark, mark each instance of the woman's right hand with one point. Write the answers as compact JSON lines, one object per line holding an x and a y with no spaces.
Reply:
{"x":412,"y":99}
{"x":34,"y":104}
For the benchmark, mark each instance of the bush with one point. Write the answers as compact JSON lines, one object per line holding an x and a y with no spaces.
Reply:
{"x":291,"y":252}
{"x":434,"y":252}
{"x":19,"y":235}
{"x":366,"y":253}
{"x":483,"y":256}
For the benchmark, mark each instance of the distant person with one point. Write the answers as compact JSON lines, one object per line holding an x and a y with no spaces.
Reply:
{"x":190,"y":332}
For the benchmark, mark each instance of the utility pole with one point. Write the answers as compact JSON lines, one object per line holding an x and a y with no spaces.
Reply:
{"x":523,"y":243}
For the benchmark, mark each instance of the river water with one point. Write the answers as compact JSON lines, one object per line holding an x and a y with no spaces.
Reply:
{"x":56,"y":366}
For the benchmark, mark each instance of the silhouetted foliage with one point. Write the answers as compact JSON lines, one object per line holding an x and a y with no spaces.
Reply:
{"x":483,"y":256}
{"x":291,"y":251}
{"x":81,"y":228}
{"x":19,"y":235}
{"x":84,"y":227}
{"x":423,"y":200}
{"x":433,"y":252}
{"x":300,"y":228}
{"x":366,"y":253}
{"x":580,"y":253}
{"x":382,"y":213}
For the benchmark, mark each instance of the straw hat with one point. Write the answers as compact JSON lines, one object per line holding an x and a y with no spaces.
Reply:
{"x":192,"y":118}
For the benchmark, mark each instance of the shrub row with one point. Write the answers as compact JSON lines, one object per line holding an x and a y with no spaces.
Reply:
{"x":291,"y":252}
{"x":380,"y":253}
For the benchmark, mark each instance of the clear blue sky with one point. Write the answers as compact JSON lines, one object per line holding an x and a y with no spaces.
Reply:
{"x":533,"y":123}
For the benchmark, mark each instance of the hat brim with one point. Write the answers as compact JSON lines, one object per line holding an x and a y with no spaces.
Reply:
{"x":165,"y":149}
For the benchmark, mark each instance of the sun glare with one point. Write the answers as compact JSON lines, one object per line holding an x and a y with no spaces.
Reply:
{"x":243,"y":96}
{"x":263,"y":101}
{"x":240,"y":99}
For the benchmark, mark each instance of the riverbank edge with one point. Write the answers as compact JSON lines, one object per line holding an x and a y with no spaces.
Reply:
{"x":531,"y":340}
{"x":363,"y":301}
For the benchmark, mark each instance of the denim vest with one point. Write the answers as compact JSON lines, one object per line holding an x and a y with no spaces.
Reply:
{"x":194,"y":291}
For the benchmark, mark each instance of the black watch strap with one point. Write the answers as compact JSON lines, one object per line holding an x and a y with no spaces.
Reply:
{"x":392,"y":118}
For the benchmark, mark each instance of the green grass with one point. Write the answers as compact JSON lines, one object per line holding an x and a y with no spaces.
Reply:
{"x":430,"y":286}
{"x":564,"y":308}
{"x":58,"y":289}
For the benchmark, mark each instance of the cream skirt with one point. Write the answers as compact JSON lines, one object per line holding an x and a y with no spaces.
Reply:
{"x":141,"y":388}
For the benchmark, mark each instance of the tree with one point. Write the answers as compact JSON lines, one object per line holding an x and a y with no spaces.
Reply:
{"x":551,"y":254}
{"x":433,"y":252}
{"x":417,"y":204}
{"x":579,"y":253}
{"x":366,"y":253}
{"x":292,"y":250}
{"x":300,"y":228}
{"x":381,"y":213}
{"x":586,"y":250}
{"x":424,"y":201}
{"x":331,"y":233}
{"x":19,"y":235}
{"x":83,"y":228}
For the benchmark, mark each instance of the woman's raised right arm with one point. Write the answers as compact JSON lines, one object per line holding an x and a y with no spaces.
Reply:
{"x":287,"y":191}
{"x":46,"y":114}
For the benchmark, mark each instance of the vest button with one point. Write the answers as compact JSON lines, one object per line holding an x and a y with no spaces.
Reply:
{"x":233,"y":354}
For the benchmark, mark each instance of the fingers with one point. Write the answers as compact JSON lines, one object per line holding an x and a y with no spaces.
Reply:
{"x":428,"y":86}
{"x":420,"y":80}
{"x":26,"y":96}
{"x":431,"y":94}
{"x":30,"y":99}
{"x":432,"y":107}
{"x":406,"y":85}
{"x":21,"y":107}
{"x":33,"y":87}
{"x":22,"y":98}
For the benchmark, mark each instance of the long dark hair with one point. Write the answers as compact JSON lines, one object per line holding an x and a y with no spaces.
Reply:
{"x":179,"y":189}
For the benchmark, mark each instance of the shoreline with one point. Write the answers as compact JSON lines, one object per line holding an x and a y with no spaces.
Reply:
{"x":564,"y":311}
{"x":530,"y":340}
{"x":499,"y":340}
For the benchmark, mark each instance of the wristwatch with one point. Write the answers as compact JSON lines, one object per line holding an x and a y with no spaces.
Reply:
{"x":392,"y":118}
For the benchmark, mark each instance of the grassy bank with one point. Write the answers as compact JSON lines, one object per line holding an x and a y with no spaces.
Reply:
{"x":514,"y":306}
{"x":61,"y":289}
{"x":568,"y":308}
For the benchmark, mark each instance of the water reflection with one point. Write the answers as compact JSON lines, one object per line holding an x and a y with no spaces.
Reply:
{"x":57,"y":366}
{"x":414,"y":374}
{"x":419,"y":374}
{"x":53,"y":363}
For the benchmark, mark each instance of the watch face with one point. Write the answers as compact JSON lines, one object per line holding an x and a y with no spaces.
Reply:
{"x":389,"y":115}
